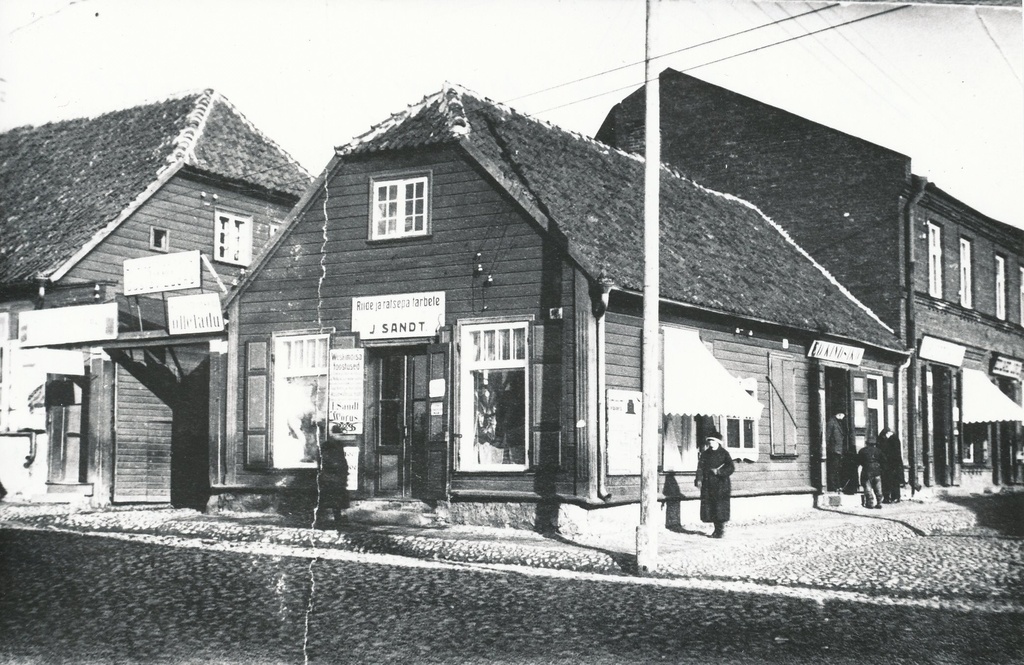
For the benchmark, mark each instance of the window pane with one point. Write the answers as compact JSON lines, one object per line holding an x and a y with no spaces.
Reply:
{"x":519,"y":343}
{"x":488,"y":345}
{"x":748,"y":433}
{"x":504,"y":346}
{"x":499,"y":417}
{"x":733,"y":433}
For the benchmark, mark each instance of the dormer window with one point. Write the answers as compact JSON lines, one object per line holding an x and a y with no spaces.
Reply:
{"x":232,"y":238}
{"x":399,"y":208}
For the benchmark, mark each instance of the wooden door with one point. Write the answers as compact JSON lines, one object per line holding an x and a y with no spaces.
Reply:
{"x":142,"y":453}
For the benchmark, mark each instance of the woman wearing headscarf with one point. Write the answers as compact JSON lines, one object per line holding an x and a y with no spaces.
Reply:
{"x":713,"y":470}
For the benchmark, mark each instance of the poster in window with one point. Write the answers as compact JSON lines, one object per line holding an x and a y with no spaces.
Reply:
{"x":346,"y":392}
{"x":624,"y":426}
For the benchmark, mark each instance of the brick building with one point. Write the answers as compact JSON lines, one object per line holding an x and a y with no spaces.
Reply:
{"x":949,"y":279}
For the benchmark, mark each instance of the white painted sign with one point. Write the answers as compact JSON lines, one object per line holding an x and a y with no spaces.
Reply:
{"x":64,"y":325}
{"x":352,"y":460}
{"x":1004,"y":366}
{"x":840,"y":353}
{"x":198,"y":313}
{"x":166,"y":272}
{"x":399,"y":315}
{"x":52,"y":361}
{"x":941,"y":351}
{"x":624,"y":408}
{"x":345,"y":395}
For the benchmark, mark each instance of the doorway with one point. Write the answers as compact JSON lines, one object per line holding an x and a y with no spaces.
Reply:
{"x":401,"y":415}
{"x":942,"y":432}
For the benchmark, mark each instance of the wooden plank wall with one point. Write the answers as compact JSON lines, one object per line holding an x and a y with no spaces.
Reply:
{"x":468,"y":215}
{"x":142,"y":455}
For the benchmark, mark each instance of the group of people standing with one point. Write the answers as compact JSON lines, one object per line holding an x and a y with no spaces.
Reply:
{"x":880,"y":463}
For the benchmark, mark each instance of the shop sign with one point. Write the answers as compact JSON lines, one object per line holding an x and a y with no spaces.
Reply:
{"x":199,"y":313}
{"x":64,"y":325}
{"x":941,"y":351}
{"x":399,"y":315}
{"x":840,"y":353}
{"x":52,"y":361}
{"x":1007,"y":367}
{"x":624,"y":409}
{"x":345,"y":395}
{"x":167,"y":272}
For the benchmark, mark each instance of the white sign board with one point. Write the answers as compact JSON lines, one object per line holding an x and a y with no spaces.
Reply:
{"x":941,"y":351}
{"x":399,"y":315}
{"x":52,"y":361}
{"x":840,"y":353}
{"x":345,"y":396}
{"x":64,"y":325}
{"x":166,"y":272}
{"x":624,"y":409}
{"x":199,"y":313}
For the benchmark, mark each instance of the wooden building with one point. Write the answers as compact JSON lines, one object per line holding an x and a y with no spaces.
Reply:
{"x":456,"y":301}
{"x":947,"y":278}
{"x":106,"y":221}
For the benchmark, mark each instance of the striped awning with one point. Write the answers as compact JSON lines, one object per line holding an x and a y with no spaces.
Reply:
{"x":697,"y":384}
{"x":984,"y":402}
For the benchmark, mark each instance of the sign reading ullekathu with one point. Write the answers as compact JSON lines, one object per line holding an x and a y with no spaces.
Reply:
{"x":199,"y":313}
{"x":399,"y":315}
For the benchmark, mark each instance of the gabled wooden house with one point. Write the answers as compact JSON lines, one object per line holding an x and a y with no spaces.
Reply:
{"x":104,"y":396}
{"x":457,"y":301}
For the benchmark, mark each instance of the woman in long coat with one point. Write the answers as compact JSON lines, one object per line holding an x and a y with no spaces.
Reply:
{"x":713,"y":470}
{"x":892,"y":465}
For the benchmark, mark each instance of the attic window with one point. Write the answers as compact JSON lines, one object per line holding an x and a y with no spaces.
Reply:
{"x":159,"y":239}
{"x":399,"y":208}
{"x":232,"y":238}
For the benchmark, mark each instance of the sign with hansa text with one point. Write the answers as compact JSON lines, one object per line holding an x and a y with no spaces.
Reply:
{"x":399,"y":315}
{"x":64,"y":325}
{"x":840,"y":353}
{"x":166,"y":272}
{"x":200,"y":313}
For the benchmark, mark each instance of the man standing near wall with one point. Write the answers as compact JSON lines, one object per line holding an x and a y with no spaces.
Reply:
{"x":835,"y":438}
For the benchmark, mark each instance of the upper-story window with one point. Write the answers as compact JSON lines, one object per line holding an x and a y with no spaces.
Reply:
{"x":1000,"y":287}
{"x":934,"y":260}
{"x":966,"y":284}
{"x":159,"y":239}
{"x":232,"y":238}
{"x":400,"y":208}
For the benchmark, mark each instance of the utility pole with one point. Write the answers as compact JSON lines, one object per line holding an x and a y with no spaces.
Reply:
{"x":647,"y":531}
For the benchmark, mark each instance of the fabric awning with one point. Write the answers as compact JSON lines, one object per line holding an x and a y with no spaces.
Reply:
{"x":697,"y":384}
{"x":984,"y":402}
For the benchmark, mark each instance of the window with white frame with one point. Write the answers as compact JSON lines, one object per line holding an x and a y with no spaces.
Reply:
{"x":399,"y":208}
{"x":934,"y":260}
{"x":741,"y":434}
{"x":1000,"y":288}
{"x":5,"y":370}
{"x":299,"y":399}
{"x":1020,"y":301}
{"x":232,"y":238}
{"x":495,"y":396}
{"x":966,"y":284}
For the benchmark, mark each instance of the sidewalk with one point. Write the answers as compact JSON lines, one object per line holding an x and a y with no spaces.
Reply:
{"x":753,"y":551}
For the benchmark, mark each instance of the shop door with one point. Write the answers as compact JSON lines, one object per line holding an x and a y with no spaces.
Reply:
{"x":942,"y":424}
{"x":402,"y":422}
{"x":142,"y":451}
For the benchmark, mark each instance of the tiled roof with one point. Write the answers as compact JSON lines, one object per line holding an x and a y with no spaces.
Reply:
{"x":717,"y":252}
{"x":64,"y":182}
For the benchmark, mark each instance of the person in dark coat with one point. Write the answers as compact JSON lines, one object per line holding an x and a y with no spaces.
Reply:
{"x":869,"y":458}
{"x":332,"y":479}
{"x":892,"y":465}
{"x":835,"y":439}
{"x":713,"y":470}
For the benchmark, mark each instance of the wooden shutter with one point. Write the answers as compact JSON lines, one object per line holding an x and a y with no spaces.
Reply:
{"x":782,"y":405}
{"x":257,"y":394}
{"x":439,"y":410}
{"x":546,"y":395}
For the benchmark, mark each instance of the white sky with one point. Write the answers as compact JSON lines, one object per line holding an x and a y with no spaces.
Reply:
{"x":941,"y":84}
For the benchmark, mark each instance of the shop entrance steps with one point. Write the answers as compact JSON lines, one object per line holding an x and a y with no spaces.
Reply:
{"x":397,"y":512}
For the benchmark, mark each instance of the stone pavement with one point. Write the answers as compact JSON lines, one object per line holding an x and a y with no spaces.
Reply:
{"x":959,"y":546}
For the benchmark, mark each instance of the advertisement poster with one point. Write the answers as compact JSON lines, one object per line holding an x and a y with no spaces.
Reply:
{"x":624,"y":429}
{"x":345,"y":397}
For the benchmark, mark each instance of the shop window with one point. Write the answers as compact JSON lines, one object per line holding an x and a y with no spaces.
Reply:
{"x":494,"y":397}
{"x":782,"y":405}
{"x":679,"y":443}
{"x":965,"y":273}
{"x":399,"y":208}
{"x":232,"y":240}
{"x":741,"y":434}
{"x":975,"y":443}
{"x":1000,"y":288}
{"x":159,"y":239}
{"x":934,"y":260}
{"x":299,"y":399}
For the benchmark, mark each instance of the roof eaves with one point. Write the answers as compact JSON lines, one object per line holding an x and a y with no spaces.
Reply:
{"x":164,"y":175}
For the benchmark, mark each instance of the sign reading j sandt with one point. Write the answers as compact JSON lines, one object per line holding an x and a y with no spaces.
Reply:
{"x":398,"y":315}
